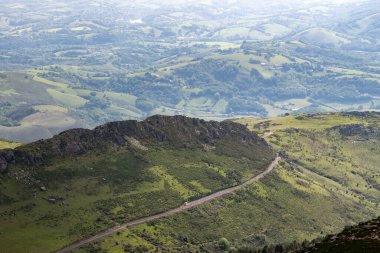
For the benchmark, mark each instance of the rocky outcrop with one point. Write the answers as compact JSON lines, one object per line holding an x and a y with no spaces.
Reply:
{"x":364,"y":237}
{"x":176,"y":131}
{"x":358,"y":130}
{"x":7,"y":157}
{"x":361,"y":114}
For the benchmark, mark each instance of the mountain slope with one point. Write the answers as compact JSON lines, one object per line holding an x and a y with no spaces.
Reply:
{"x":364,"y":237}
{"x":329,"y":166}
{"x":59,"y":190}
{"x":321,"y":37}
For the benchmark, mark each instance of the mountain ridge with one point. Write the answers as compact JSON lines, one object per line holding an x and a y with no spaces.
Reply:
{"x":178,"y":131}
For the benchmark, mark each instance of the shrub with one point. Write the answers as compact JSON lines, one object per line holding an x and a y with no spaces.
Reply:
{"x":224,"y":244}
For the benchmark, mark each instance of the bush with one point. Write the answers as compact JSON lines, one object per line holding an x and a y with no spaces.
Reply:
{"x":224,"y":244}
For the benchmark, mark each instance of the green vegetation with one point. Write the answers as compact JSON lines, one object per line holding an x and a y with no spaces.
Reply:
{"x":321,"y":37}
{"x":89,"y":181}
{"x":67,"y":99}
{"x":353,"y":239}
{"x":329,"y":166}
{"x":212,"y":67}
{"x":29,"y":100}
{"x":8,"y":144}
{"x":79,"y":64}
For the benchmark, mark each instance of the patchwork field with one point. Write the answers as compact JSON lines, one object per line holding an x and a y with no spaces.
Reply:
{"x":212,"y":61}
{"x":33,"y":107}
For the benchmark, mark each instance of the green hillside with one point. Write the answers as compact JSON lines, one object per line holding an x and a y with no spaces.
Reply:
{"x":328,"y":179}
{"x":363,"y":237}
{"x":7,"y":144}
{"x":321,"y":37}
{"x":56,"y":191}
{"x":189,"y":126}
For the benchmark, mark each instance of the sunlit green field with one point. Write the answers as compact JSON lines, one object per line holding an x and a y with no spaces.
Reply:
{"x":7,"y":144}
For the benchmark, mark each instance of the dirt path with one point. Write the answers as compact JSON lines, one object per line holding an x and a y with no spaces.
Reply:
{"x":176,"y":210}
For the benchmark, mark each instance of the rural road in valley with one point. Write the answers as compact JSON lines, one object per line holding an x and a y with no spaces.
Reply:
{"x":176,"y":210}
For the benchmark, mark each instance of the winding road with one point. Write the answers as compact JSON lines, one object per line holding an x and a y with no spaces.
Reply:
{"x":186,"y":206}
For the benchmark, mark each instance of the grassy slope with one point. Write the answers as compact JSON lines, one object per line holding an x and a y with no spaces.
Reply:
{"x":321,"y":37}
{"x":325,"y":183}
{"x":8,"y":144}
{"x":102,"y":189}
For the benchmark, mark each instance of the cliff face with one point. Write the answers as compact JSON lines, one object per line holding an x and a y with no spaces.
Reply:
{"x":6,"y":156}
{"x":176,"y":131}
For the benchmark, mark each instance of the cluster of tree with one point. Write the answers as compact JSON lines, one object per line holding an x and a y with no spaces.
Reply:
{"x":343,"y":90}
{"x":305,"y":68}
{"x":5,"y":110}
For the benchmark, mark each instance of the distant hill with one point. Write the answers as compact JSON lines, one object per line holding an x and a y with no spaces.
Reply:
{"x":361,"y":22}
{"x":203,"y":59}
{"x":321,"y":37}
